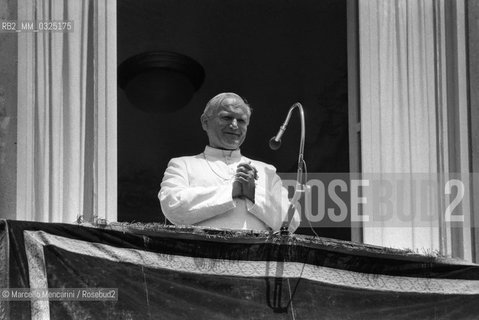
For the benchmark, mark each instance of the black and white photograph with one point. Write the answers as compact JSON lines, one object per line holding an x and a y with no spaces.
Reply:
{"x":239,"y":159}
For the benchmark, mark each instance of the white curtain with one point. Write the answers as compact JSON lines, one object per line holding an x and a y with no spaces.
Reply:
{"x":414,"y":118}
{"x":61,"y":111}
{"x":399,"y":108}
{"x":63,"y":118}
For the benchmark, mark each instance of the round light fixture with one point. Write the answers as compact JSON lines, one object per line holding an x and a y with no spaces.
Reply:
{"x":160,"y":81}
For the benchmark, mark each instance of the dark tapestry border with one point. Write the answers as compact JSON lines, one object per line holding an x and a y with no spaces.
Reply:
{"x":249,"y":246}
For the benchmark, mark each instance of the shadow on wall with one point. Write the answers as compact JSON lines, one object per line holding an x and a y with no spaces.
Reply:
{"x":138,"y":195}
{"x":328,"y":149}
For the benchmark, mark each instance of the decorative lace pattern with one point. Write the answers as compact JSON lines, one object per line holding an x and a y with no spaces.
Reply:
{"x":37,"y":275}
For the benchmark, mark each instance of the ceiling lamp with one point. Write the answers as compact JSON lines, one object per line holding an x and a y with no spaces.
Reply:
{"x":160,"y":81}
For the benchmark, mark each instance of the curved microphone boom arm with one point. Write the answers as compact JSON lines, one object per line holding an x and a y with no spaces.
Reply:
{"x":299,"y":189}
{"x":275,"y":143}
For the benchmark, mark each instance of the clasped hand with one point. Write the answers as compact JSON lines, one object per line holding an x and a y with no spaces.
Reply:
{"x":244,"y":183}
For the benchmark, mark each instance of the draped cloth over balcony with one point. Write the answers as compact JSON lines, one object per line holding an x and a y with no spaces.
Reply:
{"x":164,"y":272}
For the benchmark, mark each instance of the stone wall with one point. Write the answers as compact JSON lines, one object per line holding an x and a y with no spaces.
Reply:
{"x":8,"y":112}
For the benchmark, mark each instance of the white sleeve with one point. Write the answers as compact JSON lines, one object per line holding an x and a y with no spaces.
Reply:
{"x":185,"y":205}
{"x":272,"y":203}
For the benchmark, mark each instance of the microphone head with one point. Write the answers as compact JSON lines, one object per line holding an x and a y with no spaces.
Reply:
{"x":274,"y":144}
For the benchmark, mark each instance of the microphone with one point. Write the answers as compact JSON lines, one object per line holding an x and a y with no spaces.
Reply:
{"x":275,"y":142}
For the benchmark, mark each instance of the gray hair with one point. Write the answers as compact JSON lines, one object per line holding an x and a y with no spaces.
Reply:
{"x":217,"y":101}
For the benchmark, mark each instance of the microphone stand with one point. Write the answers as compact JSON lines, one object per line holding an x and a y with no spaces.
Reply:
{"x":299,"y":188}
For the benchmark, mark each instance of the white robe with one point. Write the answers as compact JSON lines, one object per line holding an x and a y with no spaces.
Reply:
{"x":197,"y":190}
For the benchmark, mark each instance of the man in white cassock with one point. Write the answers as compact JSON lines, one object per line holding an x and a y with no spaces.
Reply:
{"x":220,"y":187}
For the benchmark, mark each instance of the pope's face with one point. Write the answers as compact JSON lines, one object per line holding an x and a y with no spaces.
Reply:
{"x":227,"y":128}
